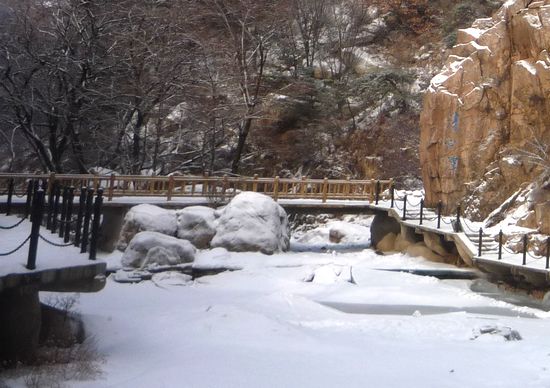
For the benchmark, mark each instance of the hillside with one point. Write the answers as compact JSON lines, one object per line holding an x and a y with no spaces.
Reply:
{"x":312,"y":87}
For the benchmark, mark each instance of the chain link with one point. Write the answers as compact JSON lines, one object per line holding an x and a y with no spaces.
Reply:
{"x":446,"y":222}
{"x":13,"y":226}
{"x":414,"y":204}
{"x":18,"y":248}
{"x":534,"y":256}
{"x":463,"y":220}
{"x":54,"y":243}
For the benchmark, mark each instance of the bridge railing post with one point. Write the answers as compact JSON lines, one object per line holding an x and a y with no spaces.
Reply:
{"x":500,"y":238}
{"x":457,"y":226}
{"x":421,"y":211}
{"x":87,"y":217}
{"x":480,"y":242}
{"x":95,"y":224}
{"x":64,"y":203}
{"x":10,"y":195}
{"x":170,"y":188}
{"x":547,"y":252}
{"x":111,"y":190}
{"x":377,"y":194}
{"x":51,"y":196}
{"x":51,"y":182}
{"x":69,"y":215}
{"x":36,"y":219}
{"x":325,"y":190}
{"x":80,"y":216}
{"x":276,"y":189}
{"x":524,"y":252}
{"x":57,"y":195}
{"x":439,"y":210}
{"x":28,"y":203}
{"x":255,"y":183}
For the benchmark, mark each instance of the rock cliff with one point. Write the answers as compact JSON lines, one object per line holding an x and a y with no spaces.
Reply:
{"x":485,"y":122}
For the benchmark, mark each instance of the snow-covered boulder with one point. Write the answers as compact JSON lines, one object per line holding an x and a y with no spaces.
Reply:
{"x":252,"y":222}
{"x":157,"y":249}
{"x":196,"y":224}
{"x":146,"y":218}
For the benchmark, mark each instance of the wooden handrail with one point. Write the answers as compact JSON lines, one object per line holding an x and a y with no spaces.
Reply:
{"x":210,"y":186}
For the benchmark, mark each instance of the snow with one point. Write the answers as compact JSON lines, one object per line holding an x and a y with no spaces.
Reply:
{"x":154,"y":249}
{"x":252,"y":222}
{"x":527,"y":66}
{"x":264,"y":326}
{"x":309,"y":319}
{"x":146,"y":217}
{"x":196,"y":224}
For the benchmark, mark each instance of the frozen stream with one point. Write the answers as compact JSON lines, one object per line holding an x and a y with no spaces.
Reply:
{"x":296,"y":320}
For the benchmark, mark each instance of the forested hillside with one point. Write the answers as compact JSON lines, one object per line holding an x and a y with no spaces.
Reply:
{"x":290,"y":87}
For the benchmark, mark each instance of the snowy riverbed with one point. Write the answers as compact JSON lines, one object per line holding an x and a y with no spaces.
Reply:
{"x":322,"y":318}
{"x":264,"y":326}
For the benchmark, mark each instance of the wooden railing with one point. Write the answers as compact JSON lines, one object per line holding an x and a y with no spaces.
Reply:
{"x":205,"y":186}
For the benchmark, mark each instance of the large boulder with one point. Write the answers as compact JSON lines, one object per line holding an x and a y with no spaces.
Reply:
{"x":382,"y":225}
{"x":252,"y":222}
{"x":146,"y":217}
{"x":157,"y":249}
{"x":196,"y":224}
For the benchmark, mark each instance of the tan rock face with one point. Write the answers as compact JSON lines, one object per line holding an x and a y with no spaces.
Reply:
{"x":486,"y":108}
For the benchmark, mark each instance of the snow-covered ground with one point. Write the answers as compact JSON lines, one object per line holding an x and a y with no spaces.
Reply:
{"x":279,"y":321}
{"x":264,"y":326}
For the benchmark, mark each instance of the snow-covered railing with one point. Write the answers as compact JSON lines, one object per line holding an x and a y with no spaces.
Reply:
{"x":208,"y":186}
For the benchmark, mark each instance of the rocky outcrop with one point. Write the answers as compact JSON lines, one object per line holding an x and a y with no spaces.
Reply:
{"x":488,"y":109}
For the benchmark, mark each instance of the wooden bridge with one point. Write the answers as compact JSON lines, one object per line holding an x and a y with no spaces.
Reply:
{"x":476,"y":247}
{"x":175,"y":186}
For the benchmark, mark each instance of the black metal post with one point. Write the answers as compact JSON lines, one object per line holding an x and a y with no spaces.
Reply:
{"x":55,"y":213}
{"x":377,"y":194}
{"x":480,"y":242}
{"x":421,"y":210}
{"x":69,"y":215}
{"x":10,"y":194}
{"x":405,"y":208}
{"x":525,"y":242}
{"x":36,"y":219}
{"x":392,"y":195}
{"x":457,"y":226}
{"x":500,"y":235}
{"x":63,"y":211}
{"x":51,"y":196}
{"x":547,"y":252}
{"x":87,"y":217}
{"x":439,"y":209}
{"x":28,"y":204}
{"x":80,"y":216}
{"x":95,"y":224}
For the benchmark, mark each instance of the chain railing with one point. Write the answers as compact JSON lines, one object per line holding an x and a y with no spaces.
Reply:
{"x":58,"y":217}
